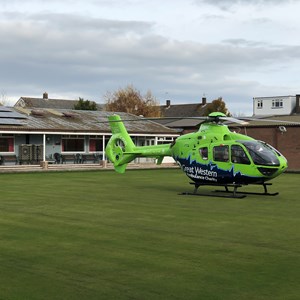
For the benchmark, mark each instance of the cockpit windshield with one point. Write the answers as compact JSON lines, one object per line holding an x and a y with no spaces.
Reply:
{"x":261,"y":153}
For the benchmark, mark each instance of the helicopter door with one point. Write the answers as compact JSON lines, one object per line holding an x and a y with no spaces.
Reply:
{"x":239,"y":156}
{"x":221,"y":153}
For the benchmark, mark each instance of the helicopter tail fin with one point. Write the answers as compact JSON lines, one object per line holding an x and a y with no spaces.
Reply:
{"x":121,"y":150}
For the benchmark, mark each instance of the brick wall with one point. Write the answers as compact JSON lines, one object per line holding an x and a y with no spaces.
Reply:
{"x":288,"y":143}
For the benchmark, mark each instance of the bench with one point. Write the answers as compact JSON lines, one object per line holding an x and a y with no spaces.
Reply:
{"x":90,"y":158}
{"x":8,"y":158}
{"x":68,"y":158}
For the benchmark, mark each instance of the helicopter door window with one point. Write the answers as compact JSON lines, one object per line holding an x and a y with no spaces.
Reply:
{"x":238,"y":155}
{"x":204,"y":153}
{"x":221,"y":153}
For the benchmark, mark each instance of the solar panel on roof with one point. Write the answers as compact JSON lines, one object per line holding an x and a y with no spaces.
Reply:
{"x":4,"y":108}
{"x":5,"y":121}
{"x":11,"y":115}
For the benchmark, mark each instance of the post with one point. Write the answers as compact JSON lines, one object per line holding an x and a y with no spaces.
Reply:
{"x":44,"y":147}
{"x":104,"y":161}
{"x":103,"y":147}
{"x":44,"y":165}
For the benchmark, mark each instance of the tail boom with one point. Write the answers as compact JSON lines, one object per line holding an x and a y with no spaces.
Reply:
{"x":121,"y":150}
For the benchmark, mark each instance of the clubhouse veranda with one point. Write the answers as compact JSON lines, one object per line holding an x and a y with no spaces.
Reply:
{"x":30,"y":135}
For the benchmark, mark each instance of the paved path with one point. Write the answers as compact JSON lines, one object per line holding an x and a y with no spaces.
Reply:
{"x":77,"y":167}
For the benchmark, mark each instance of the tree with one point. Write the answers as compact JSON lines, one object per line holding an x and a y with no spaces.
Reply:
{"x":217,"y":105}
{"x":130,"y":100}
{"x":85,"y":105}
{"x":3,"y":101}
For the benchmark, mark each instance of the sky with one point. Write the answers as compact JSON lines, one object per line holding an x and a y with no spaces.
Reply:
{"x":179,"y":50}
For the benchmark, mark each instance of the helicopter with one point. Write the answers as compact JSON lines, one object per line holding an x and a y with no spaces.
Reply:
{"x":213,"y":156}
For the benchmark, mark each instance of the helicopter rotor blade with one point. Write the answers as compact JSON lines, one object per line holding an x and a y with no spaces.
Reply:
{"x":270,"y":121}
{"x":216,"y":119}
{"x":138,"y":119}
{"x":204,"y":119}
{"x":234,"y":120}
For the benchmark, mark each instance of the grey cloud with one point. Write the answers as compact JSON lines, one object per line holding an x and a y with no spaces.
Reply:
{"x":72,"y":22}
{"x":50,"y":52}
{"x":226,"y":4}
{"x":244,"y":43}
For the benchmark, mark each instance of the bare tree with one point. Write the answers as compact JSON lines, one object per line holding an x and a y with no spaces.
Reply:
{"x":130,"y":100}
{"x":3,"y":100}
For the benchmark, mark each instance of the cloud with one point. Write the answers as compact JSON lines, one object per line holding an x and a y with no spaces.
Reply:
{"x":81,"y":56}
{"x":226,"y":4}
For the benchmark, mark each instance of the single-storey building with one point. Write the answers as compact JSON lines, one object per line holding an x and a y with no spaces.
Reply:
{"x":32,"y":135}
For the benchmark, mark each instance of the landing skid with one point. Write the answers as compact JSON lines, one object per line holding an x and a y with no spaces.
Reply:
{"x":229,"y":193}
{"x":265,"y":193}
{"x":214,"y":195}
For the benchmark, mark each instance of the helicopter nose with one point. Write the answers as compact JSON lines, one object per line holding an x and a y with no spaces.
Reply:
{"x":283,"y":165}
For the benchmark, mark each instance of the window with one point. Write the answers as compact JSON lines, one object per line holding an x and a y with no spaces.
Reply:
{"x":221,"y":153}
{"x":203,"y":153}
{"x":277,"y":103}
{"x":261,"y":153}
{"x":7,"y":143}
{"x":259,"y":104}
{"x":95,"y":144}
{"x":72,"y":143}
{"x":238,"y":155}
{"x":165,"y":140}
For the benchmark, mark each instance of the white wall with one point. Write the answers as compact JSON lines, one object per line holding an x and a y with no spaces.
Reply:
{"x":288,"y":105}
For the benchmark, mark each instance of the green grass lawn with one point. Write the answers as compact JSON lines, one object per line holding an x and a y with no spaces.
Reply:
{"x":102,"y":235}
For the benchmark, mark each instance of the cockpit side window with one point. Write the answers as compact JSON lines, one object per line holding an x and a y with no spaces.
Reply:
{"x":238,"y":155}
{"x":204,"y":153}
{"x":221,"y":153}
{"x":261,"y":154}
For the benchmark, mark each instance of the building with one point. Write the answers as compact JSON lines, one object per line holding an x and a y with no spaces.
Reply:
{"x":184,"y":110}
{"x":276,"y":105}
{"x":43,"y":129}
{"x":46,"y":102}
{"x":181,"y":113}
{"x":29,"y":135}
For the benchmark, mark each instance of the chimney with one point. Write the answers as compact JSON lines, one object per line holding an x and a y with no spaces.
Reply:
{"x":297,"y":109}
{"x":45,"y":96}
{"x":168,"y":103}
{"x":203,"y":100}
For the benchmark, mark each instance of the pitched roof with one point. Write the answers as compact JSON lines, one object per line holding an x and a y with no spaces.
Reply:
{"x":184,"y":110}
{"x":31,"y":102}
{"x":270,"y":121}
{"x":78,"y":121}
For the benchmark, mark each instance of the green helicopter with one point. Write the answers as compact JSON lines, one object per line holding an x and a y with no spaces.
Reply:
{"x":213,"y":155}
